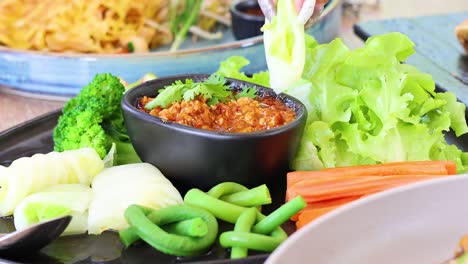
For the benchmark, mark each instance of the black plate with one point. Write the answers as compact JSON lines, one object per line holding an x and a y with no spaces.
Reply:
{"x":35,"y":136}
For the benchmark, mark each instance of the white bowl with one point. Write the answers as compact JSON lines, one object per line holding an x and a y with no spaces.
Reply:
{"x":418,"y":223}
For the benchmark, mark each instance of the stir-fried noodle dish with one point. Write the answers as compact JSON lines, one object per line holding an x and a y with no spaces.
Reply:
{"x":107,"y":26}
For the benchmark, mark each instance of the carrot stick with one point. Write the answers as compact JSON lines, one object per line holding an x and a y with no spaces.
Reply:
{"x":326,"y":203}
{"x":311,"y":213}
{"x":449,"y":165}
{"x":317,"y":180}
{"x":319,"y":192}
{"x":310,"y":186}
{"x":323,"y":182}
{"x":313,"y":191}
{"x":333,"y":202}
{"x":328,"y":189}
{"x":442,"y":167}
{"x":308,"y":216}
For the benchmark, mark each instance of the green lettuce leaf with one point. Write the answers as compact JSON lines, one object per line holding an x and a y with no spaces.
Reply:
{"x":329,"y":101}
{"x":366,"y":107}
{"x":456,"y":111}
{"x":444,"y":151}
{"x":285,"y":46}
{"x":232,"y":67}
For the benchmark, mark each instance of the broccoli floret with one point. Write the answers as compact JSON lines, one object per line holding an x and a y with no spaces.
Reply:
{"x":81,"y":127}
{"x":94,"y":119}
{"x":104,"y":87}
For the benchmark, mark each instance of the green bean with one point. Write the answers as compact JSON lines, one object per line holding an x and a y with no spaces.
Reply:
{"x":277,"y":232}
{"x":279,"y":216}
{"x":243,"y":224}
{"x":254,"y":197}
{"x":241,"y":240}
{"x":146,"y":224}
{"x":249,"y":240}
{"x":221,"y":209}
{"x":226,"y":188}
{"x":195,"y":227}
{"x":128,"y":236}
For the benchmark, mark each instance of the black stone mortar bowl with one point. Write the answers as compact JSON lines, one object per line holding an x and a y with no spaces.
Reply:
{"x":196,"y":158}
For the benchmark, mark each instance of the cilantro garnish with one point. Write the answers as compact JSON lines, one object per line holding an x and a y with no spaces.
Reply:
{"x":214,"y":90}
{"x":130,"y":47}
{"x":249,"y":92}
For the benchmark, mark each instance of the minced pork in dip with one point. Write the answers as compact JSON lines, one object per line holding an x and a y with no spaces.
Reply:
{"x":242,"y":115}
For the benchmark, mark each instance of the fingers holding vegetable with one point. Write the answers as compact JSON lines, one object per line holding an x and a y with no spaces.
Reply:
{"x":299,"y":4}
{"x":307,"y":10}
{"x":304,"y":8}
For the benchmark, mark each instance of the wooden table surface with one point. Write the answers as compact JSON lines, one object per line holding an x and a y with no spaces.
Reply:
{"x":16,"y":109}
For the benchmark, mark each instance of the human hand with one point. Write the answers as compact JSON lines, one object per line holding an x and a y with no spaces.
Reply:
{"x":308,"y":10}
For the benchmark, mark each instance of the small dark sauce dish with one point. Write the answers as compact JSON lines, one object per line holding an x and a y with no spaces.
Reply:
{"x":247,"y":19}
{"x":196,"y":158}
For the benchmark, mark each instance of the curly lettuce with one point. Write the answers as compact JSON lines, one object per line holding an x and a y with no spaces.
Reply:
{"x":375,"y":109}
{"x":366,"y":106}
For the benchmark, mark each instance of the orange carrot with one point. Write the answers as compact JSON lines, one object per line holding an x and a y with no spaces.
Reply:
{"x":326,"y":203}
{"x":328,"y":189}
{"x":314,"y":210}
{"x":309,"y":215}
{"x":316,"y":191}
{"x":442,"y":167}
{"x":317,"y":180}
{"x":333,"y":202}
{"x":309,"y":187}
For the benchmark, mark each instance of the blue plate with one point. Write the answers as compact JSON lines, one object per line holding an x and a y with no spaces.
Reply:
{"x":62,"y":75}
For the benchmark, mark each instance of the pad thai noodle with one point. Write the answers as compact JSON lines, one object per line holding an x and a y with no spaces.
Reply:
{"x":106,"y":26}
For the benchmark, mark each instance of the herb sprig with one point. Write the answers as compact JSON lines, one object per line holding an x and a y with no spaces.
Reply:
{"x":180,"y":22}
{"x":214,"y":89}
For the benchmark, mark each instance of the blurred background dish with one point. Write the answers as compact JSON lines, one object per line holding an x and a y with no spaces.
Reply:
{"x":61,"y":75}
{"x":247,"y":18}
{"x":107,"y":26}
